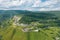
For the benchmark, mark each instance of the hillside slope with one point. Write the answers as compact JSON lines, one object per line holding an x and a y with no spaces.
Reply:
{"x":27,"y":25}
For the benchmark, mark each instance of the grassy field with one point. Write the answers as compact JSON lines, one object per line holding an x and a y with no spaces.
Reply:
{"x":16,"y":34}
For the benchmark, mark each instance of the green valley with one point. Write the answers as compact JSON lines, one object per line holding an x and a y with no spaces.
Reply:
{"x":29,"y":25}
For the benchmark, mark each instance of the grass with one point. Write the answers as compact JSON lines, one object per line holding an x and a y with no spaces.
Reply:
{"x":16,"y":34}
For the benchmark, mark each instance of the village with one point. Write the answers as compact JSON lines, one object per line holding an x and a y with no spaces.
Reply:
{"x":26,"y":27}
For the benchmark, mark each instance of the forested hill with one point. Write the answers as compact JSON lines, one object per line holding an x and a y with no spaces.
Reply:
{"x":52,"y":18}
{"x":29,"y":16}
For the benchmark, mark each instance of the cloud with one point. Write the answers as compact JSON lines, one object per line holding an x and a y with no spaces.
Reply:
{"x":50,"y":9}
{"x":12,"y":3}
{"x":46,"y":3}
{"x":32,"y":5}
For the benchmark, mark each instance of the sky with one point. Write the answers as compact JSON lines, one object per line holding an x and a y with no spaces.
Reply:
{"x":31,"y":5}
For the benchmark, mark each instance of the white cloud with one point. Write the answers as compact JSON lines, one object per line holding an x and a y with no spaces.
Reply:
{"x":37,"y":3}
{"x":46,"y":3}
{"x":12,"y":3}
{"x":30,"y":5}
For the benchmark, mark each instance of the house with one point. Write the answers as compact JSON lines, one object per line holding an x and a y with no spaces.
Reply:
{"x":35,"y":30}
